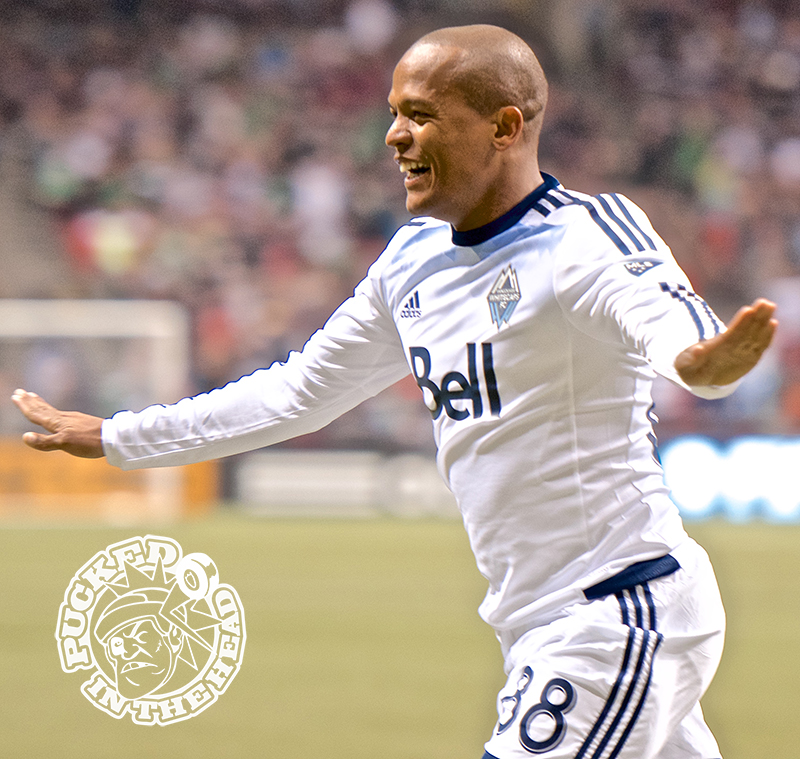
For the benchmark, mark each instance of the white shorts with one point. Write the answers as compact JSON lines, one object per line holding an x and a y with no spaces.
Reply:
{"x":619,"y":677}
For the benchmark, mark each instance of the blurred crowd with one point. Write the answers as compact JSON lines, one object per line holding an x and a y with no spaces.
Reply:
{"x":230,"y":156}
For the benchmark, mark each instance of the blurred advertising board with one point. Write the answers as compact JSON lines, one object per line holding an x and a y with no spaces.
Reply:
{"x":742,"y":479}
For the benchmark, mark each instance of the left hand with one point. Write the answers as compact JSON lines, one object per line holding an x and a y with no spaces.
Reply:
{"x":728,"y":356}
{"x":71,"y":431}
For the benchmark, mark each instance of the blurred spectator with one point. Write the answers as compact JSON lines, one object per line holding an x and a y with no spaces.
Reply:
{"x":230,"y":156}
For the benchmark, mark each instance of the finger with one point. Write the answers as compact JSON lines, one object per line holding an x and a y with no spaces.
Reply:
{"x":762,"y":306}
{"x":756,"y":331}
{"x":746,"y":320}
{"x":41,"y":442}
{"x":761,"y":318}
{"x":765,"y":306}
{"x":767,"y":332}
{"x":35,"y":409}
{"x":754,"y":317}
{"x":752,"y":330}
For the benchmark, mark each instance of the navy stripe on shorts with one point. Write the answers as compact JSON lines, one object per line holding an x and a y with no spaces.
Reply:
{"x":626,"y":700}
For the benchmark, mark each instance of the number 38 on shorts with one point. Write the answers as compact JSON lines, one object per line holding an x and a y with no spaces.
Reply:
{"x":540,"y":726}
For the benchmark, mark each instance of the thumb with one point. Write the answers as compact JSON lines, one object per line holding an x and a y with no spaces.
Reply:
{"x":42,"y":442}
{"x":686,"y":359}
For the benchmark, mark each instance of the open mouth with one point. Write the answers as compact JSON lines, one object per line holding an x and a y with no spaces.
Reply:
{"x":413,"y":169}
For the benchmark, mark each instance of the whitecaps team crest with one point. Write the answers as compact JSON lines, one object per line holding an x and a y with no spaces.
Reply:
{"x":160,"y":635}
{"x":504,"y":296}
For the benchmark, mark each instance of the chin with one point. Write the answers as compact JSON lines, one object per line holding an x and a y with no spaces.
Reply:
{"x":424,"y":207}
{"x":415,"y":205}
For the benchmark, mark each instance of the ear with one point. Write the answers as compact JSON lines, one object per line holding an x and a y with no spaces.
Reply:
{"x":509,"y":122}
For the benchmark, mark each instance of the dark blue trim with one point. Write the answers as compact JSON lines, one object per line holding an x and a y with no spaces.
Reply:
{"x":487,"y":755}
{"x":612,"y":697}
{"x":710,"y":313}
{"x":623,"y":606}
{"x":632,"y":221}
{"x":621,"y":224}
{"x":633,"y":633}
{"x":601,"y":223}
{"x":637,"y":711}
{"x":650,"y":605}
{"x":692,"y":310}
{"x":634,"y":575}
{"x":415,"y":224}
{"x":481,"y":234}
{"x":553,"y":201}
{"x":637,"y":606}
{"x":637,"y":673}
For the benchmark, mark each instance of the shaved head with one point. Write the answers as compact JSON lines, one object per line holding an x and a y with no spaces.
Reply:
{"x":467,"y":105}
{"x":490,"y":67}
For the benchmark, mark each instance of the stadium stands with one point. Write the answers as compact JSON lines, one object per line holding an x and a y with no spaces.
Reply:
{"x":230,"y":156}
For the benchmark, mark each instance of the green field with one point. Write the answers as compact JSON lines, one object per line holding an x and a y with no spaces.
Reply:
{"x":362,"y":642}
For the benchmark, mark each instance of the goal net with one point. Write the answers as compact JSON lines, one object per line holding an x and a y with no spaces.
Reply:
{"x":95,"y":356}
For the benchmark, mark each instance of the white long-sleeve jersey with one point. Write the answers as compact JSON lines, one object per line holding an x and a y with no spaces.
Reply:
{"x":534,"y":340}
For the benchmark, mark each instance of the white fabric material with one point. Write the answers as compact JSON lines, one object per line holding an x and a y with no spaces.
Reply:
{"x":542,"y":405}
{"x":624,"y":686}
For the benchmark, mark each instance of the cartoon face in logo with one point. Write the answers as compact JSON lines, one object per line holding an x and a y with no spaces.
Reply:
{"x":143,"y":657}
{"x":162,"y":636}
{"x":142,"y":653}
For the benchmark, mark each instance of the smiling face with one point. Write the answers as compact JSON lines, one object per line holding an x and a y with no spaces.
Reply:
{"x":142,"y":658}
{"x":445,"y":148}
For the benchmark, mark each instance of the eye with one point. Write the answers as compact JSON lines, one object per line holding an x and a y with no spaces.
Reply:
{"x":421,"y":116}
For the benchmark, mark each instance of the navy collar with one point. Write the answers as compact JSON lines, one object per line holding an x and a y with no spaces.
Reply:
{"x":508,"y":219}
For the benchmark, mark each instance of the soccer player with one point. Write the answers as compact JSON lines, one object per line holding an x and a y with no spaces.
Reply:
{"x":533,"y":318}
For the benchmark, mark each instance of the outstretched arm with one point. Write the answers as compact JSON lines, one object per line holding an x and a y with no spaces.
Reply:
{"x":70,"y":431}
{"x":728,"y":356}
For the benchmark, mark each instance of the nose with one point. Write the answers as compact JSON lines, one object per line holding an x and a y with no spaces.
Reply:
{"x":398,"y":135}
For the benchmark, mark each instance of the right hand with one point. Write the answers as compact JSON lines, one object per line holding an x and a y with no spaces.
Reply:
{"x":729,"y":355}
{"x":71,"y":431}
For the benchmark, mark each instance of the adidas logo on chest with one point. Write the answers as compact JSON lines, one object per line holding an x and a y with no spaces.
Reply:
{"x":412,"y":310}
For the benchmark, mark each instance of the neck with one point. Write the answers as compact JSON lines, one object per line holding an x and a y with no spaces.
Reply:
{"x":501,"y":196}
{"x":500,"y":224}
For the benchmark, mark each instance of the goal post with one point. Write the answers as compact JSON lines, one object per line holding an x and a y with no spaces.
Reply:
{"x":96,"y":356}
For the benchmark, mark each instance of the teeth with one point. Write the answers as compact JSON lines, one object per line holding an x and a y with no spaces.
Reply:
{"x":407,"y":166}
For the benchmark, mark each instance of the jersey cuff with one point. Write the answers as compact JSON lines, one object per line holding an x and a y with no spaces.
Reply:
{"x":712,"y":392}
{"x":108,"y":436}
